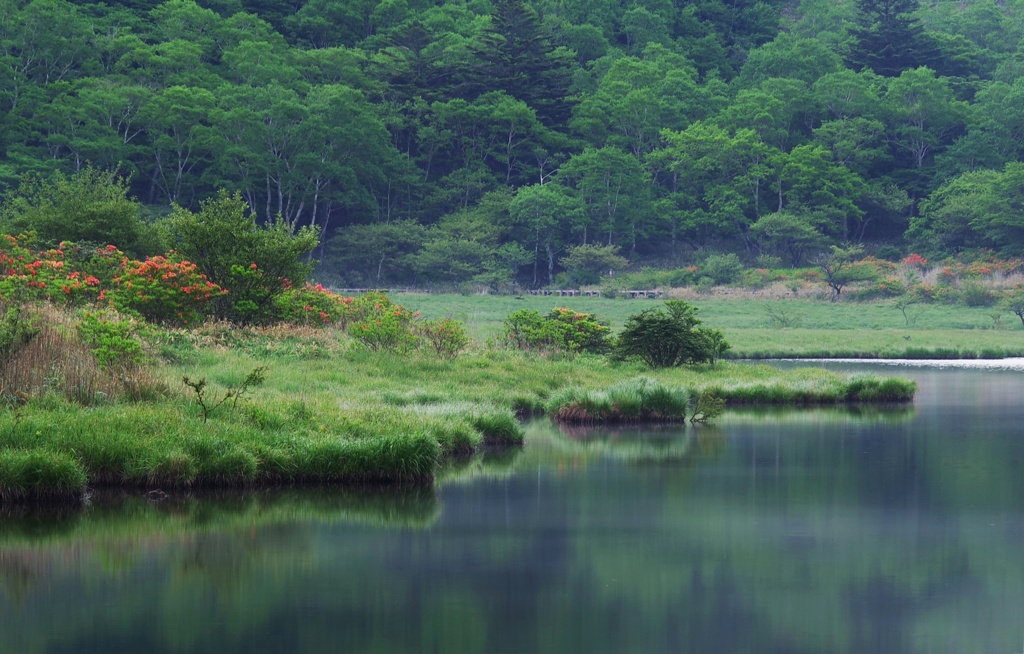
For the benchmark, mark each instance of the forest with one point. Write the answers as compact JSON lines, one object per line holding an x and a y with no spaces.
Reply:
{"x":452,"y":142}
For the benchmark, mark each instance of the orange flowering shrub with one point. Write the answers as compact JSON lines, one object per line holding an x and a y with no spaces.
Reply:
{"x":384,"y":325}
{"x":164,"y":290}
{"x":312,"y":305}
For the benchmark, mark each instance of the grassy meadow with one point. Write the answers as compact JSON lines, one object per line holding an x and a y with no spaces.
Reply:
{"x":327,"y":410}
{"x":761,"y":327}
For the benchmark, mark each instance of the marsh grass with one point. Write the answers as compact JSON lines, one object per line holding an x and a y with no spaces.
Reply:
{"x":355,"y":416}
{"x":39,"y":474}
{"x":636,"y":400}
{"x":817,"y":329}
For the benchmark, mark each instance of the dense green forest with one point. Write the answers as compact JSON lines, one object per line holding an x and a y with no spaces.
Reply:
{"x":439,"y":142}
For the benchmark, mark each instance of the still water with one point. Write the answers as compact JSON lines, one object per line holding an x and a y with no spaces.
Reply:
{"x":818,"y":530}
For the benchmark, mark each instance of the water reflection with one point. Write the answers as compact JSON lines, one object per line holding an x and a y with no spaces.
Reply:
{"x":821,"y":530}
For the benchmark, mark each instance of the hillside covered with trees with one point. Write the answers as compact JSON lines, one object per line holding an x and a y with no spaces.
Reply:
{"x":438,"y":142}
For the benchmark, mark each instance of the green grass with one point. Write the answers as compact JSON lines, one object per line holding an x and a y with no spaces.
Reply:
{"x":38,"y":473}
{"x":349,"y":416}
{"x":823,"y":329}
{"x":634,"y":400}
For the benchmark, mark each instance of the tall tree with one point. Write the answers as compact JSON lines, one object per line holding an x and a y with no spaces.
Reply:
{"x":888,"y":39}
{"x":516,"y":55}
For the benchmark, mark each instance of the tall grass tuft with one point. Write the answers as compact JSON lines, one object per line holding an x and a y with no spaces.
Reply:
{"x":636,"y":400}
{"x":498,"y":427}
{"x":40,"y":474}
{"x":387,"y":458}
{"x":875,"y":389}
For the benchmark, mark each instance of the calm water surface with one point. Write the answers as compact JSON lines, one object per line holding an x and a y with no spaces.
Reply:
{"x":826,"y":531}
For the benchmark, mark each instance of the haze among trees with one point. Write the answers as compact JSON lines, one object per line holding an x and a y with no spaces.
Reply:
{"x":475,"y":141}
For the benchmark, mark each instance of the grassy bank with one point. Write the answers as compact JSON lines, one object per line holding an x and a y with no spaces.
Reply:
{"x":779,"y":328}
{"x":330,"y":411}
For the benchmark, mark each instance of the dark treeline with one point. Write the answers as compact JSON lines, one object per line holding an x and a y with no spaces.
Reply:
{"x":445,"y":142}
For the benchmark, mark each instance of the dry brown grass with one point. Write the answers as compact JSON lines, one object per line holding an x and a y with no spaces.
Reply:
{"x":57,"y":361}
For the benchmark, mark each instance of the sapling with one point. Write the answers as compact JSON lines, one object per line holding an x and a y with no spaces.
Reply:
{"x":255,"y":378}
{"x":707,"y":407}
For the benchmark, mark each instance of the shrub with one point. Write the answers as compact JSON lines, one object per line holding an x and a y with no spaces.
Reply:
{"x":311,"y":305}
{"x":446,"y":337}
{"x":669,"y":336}
{"x":915,"y":261}
{"x":561,"y":329}
{"x":167,"y":290}
{"x":722,"y":268}
{"x":587,"y":264}
{"x":90,"y":206}
{"x":883,"y":288}
{"x":112,"y":338}
{"x":387,"y":328}
{"x":256,"y":262}
{"x":974,"y":294}
{"x":16,"y":330}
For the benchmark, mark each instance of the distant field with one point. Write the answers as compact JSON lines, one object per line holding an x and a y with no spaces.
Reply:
{"x":818,"y":328}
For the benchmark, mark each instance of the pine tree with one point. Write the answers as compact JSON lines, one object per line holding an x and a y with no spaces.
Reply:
{"x":517,"y":56}
{"x":888,"y":39}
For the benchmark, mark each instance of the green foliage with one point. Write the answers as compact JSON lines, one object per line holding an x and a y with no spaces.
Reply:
{"x":257,"y":263}
{"x":634,"y":400}
{"x":311,"y":305}
{"x":788,"y":234}
{"x":453,"y":143}
{"x":669,"y":336}
{"x":91,"y":206}
{"x":40,"y":474}
{"x":587,"y":264}
{"x":975,"y":294}
{"x":385,"y":326}
{"x":167,"y":290}
{"x":16,"y":330}
{"x":562,"y":330}
{"x":446,"y":337}
{"x":721,"y":268}
{"x":112,"y":337}
{"x":840,"y":267}
{"x":207,"y":405}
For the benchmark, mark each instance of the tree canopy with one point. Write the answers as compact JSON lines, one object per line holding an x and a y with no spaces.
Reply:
{"x":660,"y":128}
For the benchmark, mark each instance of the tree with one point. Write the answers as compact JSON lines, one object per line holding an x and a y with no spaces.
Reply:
{"x":669,"y":336}
{"x":1015,"y":303}
{"x":516,"y":56}
{"x":588,"y":263}
{"x":840,"y":268}
{"x":542,"y":211}
{"x":949,"y":217}
{"x":887,"y":39}
{"x":375,"y":253}
{"x":921,"y":114}
{"x":787,"y":233}
{"x":256,"y":263}
{"x":1001,"y":217}
{"x":614,"y":188}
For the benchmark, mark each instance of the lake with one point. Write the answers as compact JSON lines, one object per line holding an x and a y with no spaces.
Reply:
{"x":879,"y":529}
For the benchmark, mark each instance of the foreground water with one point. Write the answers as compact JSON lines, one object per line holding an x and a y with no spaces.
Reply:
{"x":823,"y":530}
